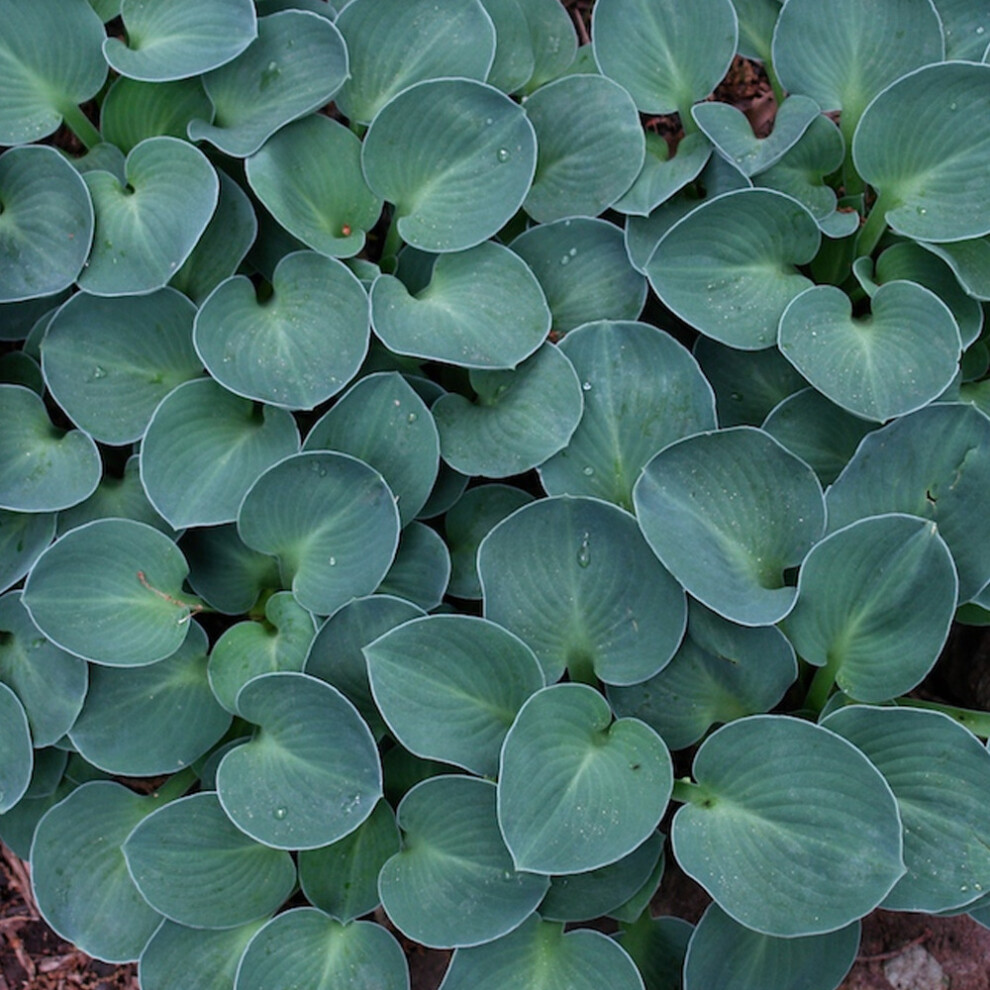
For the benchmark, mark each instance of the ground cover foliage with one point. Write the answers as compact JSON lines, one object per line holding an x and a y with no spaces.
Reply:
{"x":360,"y":498}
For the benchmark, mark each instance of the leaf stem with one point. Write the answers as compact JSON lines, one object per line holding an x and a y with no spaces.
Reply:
{"x":871,"y":232}
{"x":821,"y":685}
{"x":80,"y":125}
{"x":390,"y":249}
{"x":686,"y":791}
{"x":175,"y":786}
{"x":778,"y":90}
{"x":976,"y":721}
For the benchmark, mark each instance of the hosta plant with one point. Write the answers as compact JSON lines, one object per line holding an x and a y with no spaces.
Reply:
{"x":448,"y":472}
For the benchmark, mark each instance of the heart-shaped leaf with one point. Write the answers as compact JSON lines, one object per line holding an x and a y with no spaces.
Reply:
{"x":107,"y":371}
{"x":453,"y":849}
{"x":574,"y":579}
{"x":468,"y":522}
{"x":332,"y":522}
{"x":336,"y":656}
{"x":457,"y":136}
{"x":551,"y":40}
{"x":802,"y":171}
{"x":642,"y":390}
{"x":768,"y":814}
{"x":843,"y":54}
{"x":76,"y":862}
{"x":47,"y":73}
{"x":939,"y":773}
{"x":577,"y":791}
{"x":48,"y":682}
{"x":180,"y":958}
{"x":46,"y":224}
{"x":280,"y":642}
{"x":662,"y":176}
{"x":133,"y":111}
{"x":748,"y":384}
{"x":590,"y":143}
{"x":970,"y":263}
{"x":540,"y":956}
{"x":482,"y":308}
{"x":316,"y":321}
{"x":890,"y":363}
{"x":18,"y":754}
{"x":421,"y":568}
{"x":643,"y":233}
{"x":515,"y":60}
{"x":926,"y":188}
{"x":111,"y":592}
{"x":181,"y":38}
{"x":342,"y":878}
{"x":449,"y":687}
{"x":311,"y":775}
{"x":584,"y":270}
{"x":120,"y":497}
{"x":142,"y":721}
{"x":393,"y":44}
{"x":934,"y":463}
{"x":386,"y":424}
{"x":147,"y":228}
{"x":330,"y":210}
{"x":193,"y":866}
{"x":23,"y":536}
{"x":965,"y":28}
{"x":306,"y":948}
{"x":728,"y":128}
{"x":728,"y":268}
{"x":42,"y":468}
{"x":204,"y":448}
{"x":723,"y":953}
{"x":721,"y":671}
{"x":518,"y":420}
{"x":295,"y":65}
{"x":223,"y":245}
{"x":226,"y":573}
{"x":818,"y":431}
{"x":728,"y":512}
{"x":850,"y":586}
{"x":583,"y":896}
{"x":666,"y":54}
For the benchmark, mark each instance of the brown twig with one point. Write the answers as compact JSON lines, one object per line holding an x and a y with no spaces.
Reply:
{"x":582,"y":30}
{"x":881,"y":956}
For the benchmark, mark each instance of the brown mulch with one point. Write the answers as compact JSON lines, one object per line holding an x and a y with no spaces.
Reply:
{"x":32,"y":956}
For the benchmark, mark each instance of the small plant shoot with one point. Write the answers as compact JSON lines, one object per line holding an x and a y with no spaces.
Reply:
{"x":455,"y":464}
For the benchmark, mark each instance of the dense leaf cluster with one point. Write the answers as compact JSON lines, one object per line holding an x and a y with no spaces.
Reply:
{"x":355,"y":489}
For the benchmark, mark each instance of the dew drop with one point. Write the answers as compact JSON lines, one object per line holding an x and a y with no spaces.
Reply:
{"x":280,"y":813}
{"x":979,"y":30}
{"x":952,"y":106}
{"x":98,"y":373}
{"x":565,"y":260}
{"x":584,"y":551}
{"x":573,"y":252}
{"x":588,"y":471}
{"x":411,"y":418}
{"x":332,"y":561}
{"x":586,"y":386}
{"x":503,"y":154}
{"x":489,"y":121}
{"x":922,"y":211}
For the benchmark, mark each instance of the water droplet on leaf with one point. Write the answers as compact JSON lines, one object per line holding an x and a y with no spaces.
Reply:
{"x":588,"y":471}
{"x":280,"y":813}
{"x":586,"y":386}
{"x":503,"y":154}
{"x":98,"y":373}
{"x":584,"y":551}
{"x":411,"y":418}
